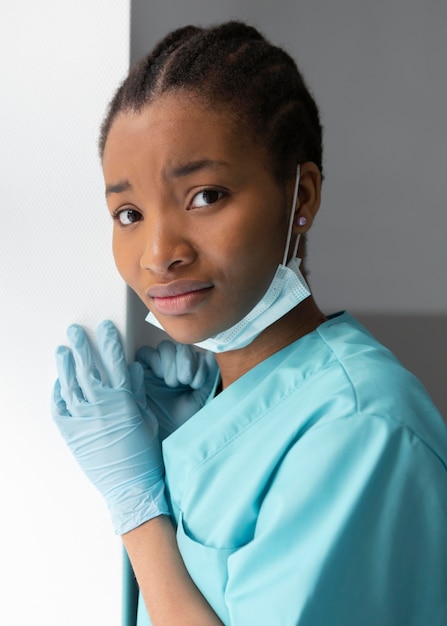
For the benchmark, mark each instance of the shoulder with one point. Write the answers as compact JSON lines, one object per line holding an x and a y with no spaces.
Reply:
{"x":359,"y":379}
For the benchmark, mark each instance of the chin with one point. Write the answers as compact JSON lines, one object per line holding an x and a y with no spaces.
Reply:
{"x":185,"y":335}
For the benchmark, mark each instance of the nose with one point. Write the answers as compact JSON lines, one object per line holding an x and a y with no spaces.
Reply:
{"x":166,"y":246}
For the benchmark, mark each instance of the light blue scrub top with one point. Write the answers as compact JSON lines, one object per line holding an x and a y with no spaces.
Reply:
{"x":313,"y":491}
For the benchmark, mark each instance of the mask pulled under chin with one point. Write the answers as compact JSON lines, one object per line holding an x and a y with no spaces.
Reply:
{"x":287,"y":289}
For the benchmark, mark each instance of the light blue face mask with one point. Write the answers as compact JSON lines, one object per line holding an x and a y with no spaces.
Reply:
{"x":287,"y":289}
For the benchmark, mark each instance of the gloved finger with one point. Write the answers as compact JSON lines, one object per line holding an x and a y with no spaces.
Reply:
{"x":168,"y":359}
{"x":58,"y":405}
{"x":150,"y":359}
{"x":201,"y":373}
{"x":87,"y":373}
{"x":112,"y":355}
{"x":187,"y":361}
{"x":69,"y":388}
{"x":210,"y":359}
{"x":211,"y":373}
{"x":136,"y":376}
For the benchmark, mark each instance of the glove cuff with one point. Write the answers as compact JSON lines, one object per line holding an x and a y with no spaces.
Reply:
{"x":135,"y":508}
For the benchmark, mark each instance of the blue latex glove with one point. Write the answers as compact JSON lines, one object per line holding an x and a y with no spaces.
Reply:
{"x":179,"y":380}
{"x":108,"y":427}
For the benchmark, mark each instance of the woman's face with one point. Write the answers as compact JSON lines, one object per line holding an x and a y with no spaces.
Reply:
{"x":199,"y":222}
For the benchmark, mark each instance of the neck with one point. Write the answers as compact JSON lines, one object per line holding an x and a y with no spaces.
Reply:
{"x":300,"y":321}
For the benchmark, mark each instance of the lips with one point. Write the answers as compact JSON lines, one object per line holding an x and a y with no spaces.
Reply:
{"x":178,"y":297}
{"x":177,"y":288}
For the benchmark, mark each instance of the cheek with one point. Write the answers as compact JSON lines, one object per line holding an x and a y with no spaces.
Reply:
{"x":248,"y":265}
{"x":126,"y":261}
{"x":254,"y":250}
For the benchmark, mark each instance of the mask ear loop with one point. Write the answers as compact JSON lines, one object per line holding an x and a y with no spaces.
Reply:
{"x":292,"y":215}
{"x":295,"y":247}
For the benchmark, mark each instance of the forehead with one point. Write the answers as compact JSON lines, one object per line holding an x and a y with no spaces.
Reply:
{"x":174,"y":129}
{"x":172,"y":125}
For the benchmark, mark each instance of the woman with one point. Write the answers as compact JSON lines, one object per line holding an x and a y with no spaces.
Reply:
{"x":306,"y":484}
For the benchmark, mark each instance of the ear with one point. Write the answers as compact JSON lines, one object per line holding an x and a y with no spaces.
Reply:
{"x":309,"y":197}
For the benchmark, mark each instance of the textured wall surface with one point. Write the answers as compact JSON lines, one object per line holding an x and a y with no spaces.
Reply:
{"x":60,"y":563}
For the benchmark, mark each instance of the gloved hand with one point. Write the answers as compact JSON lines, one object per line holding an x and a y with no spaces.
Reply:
{"x":178,"y":381}
{"x":108,"y":426}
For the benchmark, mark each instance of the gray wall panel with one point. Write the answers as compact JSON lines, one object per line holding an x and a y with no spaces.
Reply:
{"x":378,"y":73}
{"x":419,"y":341}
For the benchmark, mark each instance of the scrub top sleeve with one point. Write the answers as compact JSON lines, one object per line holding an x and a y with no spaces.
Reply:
{"x":352,"y":530}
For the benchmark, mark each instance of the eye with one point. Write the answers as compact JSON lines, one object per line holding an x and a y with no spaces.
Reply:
{"x":126,"y":217}
{"x":206,"y":197}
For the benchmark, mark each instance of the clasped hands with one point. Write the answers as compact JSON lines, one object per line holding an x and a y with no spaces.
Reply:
{"x":114,"y":421}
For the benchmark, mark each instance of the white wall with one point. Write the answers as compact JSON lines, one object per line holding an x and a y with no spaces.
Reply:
{"x":60,"y":563}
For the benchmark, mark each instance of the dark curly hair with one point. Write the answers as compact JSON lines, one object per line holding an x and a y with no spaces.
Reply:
{"x":231,"y":66}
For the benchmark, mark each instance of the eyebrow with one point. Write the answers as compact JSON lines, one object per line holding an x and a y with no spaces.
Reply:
{"x":194,"y":166}
{"x":119,"y":187}
{"x":174,"y":172}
